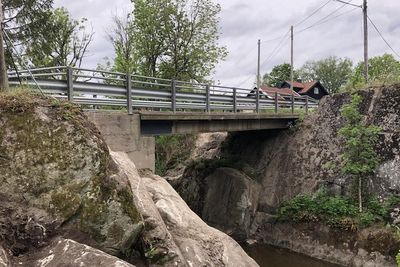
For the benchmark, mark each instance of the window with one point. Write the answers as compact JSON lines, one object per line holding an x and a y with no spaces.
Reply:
{"x":316,"y":91}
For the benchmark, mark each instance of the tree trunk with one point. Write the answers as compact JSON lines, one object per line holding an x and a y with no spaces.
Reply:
{"x":360,"y":194}
{"x":3,"y":67}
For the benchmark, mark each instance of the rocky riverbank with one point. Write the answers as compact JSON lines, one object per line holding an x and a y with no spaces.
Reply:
{"x":256,"y":172}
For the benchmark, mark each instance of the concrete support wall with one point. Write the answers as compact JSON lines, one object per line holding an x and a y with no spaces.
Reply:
{"x":122,"y":133}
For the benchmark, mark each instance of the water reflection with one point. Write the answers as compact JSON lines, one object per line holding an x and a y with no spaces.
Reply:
{"x":267,"y":256}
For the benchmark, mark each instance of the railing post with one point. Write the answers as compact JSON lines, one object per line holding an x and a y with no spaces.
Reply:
{"x":129,"y":93}
{"x":292,"y":104}
{"x":276,"y":102}
{"x":306,"y":104}
{"x":208,"y":104}
{"x":234,"y":100}
{"x":258,"y":100}
{"x":173,"y":96}
{"x":70,"y":84}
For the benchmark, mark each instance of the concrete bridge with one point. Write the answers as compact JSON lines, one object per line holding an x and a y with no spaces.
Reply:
{"x":130,"y":110}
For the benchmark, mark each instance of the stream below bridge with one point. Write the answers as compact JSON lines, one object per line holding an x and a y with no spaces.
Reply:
{"x":268,"y":256}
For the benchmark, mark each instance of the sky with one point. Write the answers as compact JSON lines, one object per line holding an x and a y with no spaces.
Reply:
{"x":242,"y":23}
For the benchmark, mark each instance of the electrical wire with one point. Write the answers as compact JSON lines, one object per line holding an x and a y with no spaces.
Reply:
{"x":326,"y":20}
{"x":326,"y":17}
{"x":276,"y":49}
{"x":312,"y":14}
{"x":383,"y":38}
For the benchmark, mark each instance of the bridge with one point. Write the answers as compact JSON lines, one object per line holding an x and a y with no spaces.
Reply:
{"x":130,"y":109}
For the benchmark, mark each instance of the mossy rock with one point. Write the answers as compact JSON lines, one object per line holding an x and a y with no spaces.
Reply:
{"x":53,"y":158}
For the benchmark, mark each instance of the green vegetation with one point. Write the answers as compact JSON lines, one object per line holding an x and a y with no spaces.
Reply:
{"x":383,"y":69}
{"x":168,"y":38}
{"x":278,"y":75}
{"x":63,"y":43}
{"x":332,"y":72}
{"x":398,"y":259}
{"x":338,"y":74}
{"x":335,"y":211}
{"x":359,"y":157}
{"x":172,"y":150}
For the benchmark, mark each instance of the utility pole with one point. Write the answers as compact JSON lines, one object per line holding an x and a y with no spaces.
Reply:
{"x":258,"y":78}
{"x":291,"y":57}
{"x":365,"y":12}
{"x":3,"y":68}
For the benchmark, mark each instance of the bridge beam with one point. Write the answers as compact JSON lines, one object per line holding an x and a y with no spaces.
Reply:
{"x":164,"y":124}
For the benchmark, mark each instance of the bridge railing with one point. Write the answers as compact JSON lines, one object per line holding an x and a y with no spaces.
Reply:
{"x":96,"y":88}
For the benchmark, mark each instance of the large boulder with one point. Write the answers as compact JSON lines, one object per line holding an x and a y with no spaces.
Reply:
{"x":66,"y":252}
{"x":175,"y":235}
{"x":56,"y":176}
{"x":231,"y":202}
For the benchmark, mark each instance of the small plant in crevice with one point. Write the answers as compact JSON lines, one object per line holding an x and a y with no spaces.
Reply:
{"x":359,"y":157}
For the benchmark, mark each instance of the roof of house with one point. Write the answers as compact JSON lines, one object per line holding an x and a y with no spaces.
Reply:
{"x":305,"y":87}
{"x":280,"y":91}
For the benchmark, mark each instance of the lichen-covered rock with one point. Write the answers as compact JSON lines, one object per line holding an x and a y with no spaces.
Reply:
{"x":52,"y":159}
{"x":66,"y":252}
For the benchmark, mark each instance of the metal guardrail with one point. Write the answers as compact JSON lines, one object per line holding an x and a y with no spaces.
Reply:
{"x":104,"y":88}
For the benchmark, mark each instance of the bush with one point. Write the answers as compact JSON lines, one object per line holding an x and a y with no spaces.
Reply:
{"x":336,"y":212}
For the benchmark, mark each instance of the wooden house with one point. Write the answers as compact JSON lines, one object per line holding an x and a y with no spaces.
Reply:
{"x":312,"y":89}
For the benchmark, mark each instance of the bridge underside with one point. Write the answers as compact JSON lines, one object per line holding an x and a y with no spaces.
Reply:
{"x":174,"y":123}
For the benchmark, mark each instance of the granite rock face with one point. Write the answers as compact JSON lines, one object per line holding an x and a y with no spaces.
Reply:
{"x":57,"y":177}
{"x":67,"y":252}
{"x":231,"y":202}
{"x":174,"y":235}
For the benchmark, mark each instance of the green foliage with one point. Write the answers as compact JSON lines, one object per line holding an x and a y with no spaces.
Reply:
{"x":172,"y":150}
{"x":278,"y":75}
{"x":336,"y":212}
{"x":169,"y":38}
{"x":63,"y":43}
{"x":332,"y":72}
{"x":359,"y":157}
{"x":27,"y":19}
{"x":382,"y":70}
{"x":398,"y":259}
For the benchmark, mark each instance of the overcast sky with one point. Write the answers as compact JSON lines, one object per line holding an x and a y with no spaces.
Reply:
{"x":242,"y":23}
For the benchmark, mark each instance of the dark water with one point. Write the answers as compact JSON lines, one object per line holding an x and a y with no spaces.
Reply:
{"x":267,"y":256}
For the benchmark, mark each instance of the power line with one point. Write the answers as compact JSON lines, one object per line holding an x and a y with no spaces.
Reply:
{"x":276,"y":49}
{"x":348,"y":3}
{"x":312,"y":14}
{"x":327,"y":20}
{"x":383,"y":38}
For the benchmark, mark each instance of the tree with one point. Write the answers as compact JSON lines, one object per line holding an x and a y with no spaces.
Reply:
{"x":278,"y":75}
{"x":122,"y":38}
{"x":191,"y":40}
{"x":21,"y":19}
{"x":64,"y":43}
{"x":175,"y":39}
{"x":382,"y":69}
{"x":359,"y":156}
{"x":332,"y":72}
